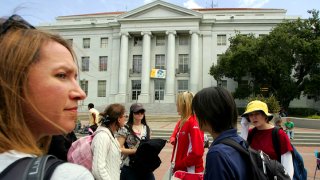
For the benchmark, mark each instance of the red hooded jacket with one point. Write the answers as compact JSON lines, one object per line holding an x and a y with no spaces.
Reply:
{"x":190,"y":145}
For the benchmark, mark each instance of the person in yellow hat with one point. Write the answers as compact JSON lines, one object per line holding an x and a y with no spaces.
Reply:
{"x":260,"y":137}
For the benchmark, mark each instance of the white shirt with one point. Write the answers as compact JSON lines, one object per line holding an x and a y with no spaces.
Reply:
{"x":106,"y":155}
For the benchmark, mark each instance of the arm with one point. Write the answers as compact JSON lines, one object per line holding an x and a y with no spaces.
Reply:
{"x":100,"y":146}
{"x":172,"y":139}
{"x":93,"y":114}
{"x":196,"y":140}
{"x":124,"y":150}
{"x":286,"y":161}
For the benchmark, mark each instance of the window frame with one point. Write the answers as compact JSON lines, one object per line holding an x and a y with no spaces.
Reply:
{"x":85,"y":63}
{"x":103,"y":66}
{"x":104,"y":42}
{"x":136,"y":62}
{"x":221,"y":39}
{"x":102,"y":88}
{"x":160,"y":61}
{"x":86,"y":43}
{"x":183,"y":63}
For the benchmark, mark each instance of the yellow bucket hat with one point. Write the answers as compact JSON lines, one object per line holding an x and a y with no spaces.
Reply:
{"x":257,"y":106}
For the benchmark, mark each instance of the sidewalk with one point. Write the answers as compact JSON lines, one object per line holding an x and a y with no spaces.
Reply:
{"x":165,"y":155}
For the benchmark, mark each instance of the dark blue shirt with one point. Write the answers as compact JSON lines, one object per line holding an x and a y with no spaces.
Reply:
{"x":224,"y":162}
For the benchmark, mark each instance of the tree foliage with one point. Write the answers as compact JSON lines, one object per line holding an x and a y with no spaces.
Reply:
{"x":286,"y":61}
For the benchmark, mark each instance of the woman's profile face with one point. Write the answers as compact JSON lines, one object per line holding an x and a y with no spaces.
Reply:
{"x":53,"y":89}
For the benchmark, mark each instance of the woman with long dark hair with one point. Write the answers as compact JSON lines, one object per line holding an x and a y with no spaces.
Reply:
{"x":129,"y":138}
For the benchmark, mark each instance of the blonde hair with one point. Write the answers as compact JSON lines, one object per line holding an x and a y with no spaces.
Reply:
{"x":20,"y":49}
{"x":184,"y":106}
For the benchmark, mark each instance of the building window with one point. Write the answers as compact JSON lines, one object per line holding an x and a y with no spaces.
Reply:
{"x":85,"y":63}
{"x":183,"y":63}
{"x":102,"y":84}
{"x":223,"y":83}
{"x":136,"y":89}
{"x":160,"y":41}
{"x":159,"y":89}
{"x":137,"y":63}
{"x":104,"y":43}
{"x":183,"y":40}
{"x":84,"y":86}
{"x":160,"y":62}
{"x":86,"y":42}
{"x":70,"y":42}
{"x":221,"y":39}
{"x":183,"y":85}
{"x":103,"y":63}
{"x":137,"y":41}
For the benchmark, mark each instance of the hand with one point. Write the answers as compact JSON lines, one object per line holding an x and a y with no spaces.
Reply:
{"x":172,"y":141}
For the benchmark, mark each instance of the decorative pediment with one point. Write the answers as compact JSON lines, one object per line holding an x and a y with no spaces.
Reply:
{"x":159,"y":10}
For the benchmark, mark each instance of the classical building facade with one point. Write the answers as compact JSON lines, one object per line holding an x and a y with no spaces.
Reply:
{"x":151,"y":53}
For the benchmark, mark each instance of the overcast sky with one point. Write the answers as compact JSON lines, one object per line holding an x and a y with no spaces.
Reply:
{"x":45,"y":11}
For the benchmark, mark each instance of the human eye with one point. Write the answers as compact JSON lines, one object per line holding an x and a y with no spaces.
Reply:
{"x":61,"y":75}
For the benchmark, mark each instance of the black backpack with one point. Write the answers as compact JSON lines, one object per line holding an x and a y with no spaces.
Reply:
{"x":300,"y":172}
{"x":29,"y":168}
{"x":263,"y":168}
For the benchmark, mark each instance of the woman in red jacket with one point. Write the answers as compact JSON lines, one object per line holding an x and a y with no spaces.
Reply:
{"x":187,"y":138}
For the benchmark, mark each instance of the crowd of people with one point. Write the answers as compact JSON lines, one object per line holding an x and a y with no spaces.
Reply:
{"x":39,"y":97}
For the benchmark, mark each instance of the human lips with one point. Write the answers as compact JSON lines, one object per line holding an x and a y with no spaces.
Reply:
{"x":72,"y":109}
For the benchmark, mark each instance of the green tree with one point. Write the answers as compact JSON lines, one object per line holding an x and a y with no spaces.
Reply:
{"x":286,"y":62}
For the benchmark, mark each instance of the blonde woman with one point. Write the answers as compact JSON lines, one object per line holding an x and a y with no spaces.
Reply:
{"x":39,"y":94}
{"x":187,"y":138}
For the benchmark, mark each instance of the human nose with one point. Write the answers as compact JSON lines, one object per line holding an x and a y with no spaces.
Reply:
{"x":78,"y":93}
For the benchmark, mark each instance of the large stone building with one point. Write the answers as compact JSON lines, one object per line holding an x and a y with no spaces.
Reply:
{"x":118,"y":51}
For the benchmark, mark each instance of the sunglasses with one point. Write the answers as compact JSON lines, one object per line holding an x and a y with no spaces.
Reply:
{"x":139,"y":112}
{"x":15,"y":21}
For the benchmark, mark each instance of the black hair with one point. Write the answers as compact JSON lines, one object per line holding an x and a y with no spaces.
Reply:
{"x":215,"y":107}
{"x":90,"y":105}
{"x":143,"y":121}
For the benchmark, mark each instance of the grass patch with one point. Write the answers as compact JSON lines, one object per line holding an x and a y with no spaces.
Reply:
{"x":314,"y":117}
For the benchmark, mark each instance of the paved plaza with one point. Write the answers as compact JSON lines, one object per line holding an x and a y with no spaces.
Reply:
{"x":165,"y":155}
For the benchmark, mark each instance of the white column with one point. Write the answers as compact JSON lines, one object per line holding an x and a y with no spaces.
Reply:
{"x":170,"y":79}
{"x":144,"y":97}
{"x":194,"y":62}
{"x":123,"y":69}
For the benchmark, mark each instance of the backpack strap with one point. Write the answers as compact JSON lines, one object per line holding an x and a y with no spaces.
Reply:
{"x":276,"y":142}
{"x":250,"y":135}
{"x":235,"y":145}
{"x":17,"y":167}
{"x":29,"y":168}
{"x":51,"y":165}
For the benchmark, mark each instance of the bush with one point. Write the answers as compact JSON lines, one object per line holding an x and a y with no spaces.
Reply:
{"x":302,"y":112}
{"x":314,"y":117}
{"x":241,"y":110}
